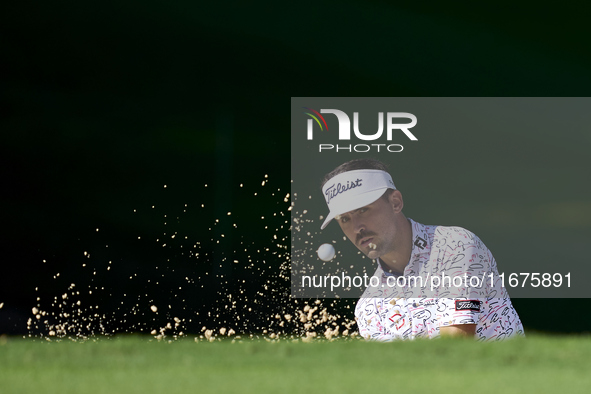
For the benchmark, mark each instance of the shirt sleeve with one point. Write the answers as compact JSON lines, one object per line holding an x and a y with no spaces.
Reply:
{"x":457,"y":311}
{"x":468,"y":265}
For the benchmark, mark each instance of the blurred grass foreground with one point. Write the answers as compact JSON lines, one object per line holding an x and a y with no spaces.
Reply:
{"x":135,"y":364}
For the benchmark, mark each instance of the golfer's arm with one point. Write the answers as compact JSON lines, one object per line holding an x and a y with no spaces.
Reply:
{"x":460,"y":330}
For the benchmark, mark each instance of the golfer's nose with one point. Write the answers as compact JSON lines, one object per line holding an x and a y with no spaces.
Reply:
{"x":358,"y":225}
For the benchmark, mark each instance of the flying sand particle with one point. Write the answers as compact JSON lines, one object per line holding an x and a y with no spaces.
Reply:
{"x":287,"y":320}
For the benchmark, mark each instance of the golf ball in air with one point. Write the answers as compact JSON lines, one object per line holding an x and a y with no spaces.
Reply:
{"x":326,"y":252}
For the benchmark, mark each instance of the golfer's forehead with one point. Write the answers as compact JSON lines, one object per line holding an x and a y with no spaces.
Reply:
{"x":357,"y":210}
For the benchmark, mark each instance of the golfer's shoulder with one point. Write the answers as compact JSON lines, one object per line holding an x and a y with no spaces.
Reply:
{"x":454,"y":237}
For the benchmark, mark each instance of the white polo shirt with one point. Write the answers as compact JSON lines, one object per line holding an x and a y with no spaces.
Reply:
{"x":401,"y":309}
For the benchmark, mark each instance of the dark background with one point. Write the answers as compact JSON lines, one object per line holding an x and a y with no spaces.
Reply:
{"x":103,"y":104}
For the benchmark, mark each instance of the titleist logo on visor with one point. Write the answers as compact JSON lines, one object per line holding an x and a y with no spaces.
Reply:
{"x":335,"y":190}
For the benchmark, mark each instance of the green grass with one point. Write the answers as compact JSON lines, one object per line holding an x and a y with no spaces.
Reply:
{"x":141,"y":365}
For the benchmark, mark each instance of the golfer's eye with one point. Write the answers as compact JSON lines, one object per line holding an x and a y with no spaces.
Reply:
{"x":364,"y":209}
{"x":344,"y":219}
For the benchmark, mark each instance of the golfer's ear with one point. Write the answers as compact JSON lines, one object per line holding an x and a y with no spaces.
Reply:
{"x":395,"y":199}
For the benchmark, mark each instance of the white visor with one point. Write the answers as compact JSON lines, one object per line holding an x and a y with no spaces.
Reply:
{"x":354,"y":189}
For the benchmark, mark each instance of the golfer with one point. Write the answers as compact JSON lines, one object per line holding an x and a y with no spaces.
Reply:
{"x":430,"y":281}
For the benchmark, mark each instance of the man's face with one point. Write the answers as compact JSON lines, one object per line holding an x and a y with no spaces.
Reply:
{"x":372,"y":228}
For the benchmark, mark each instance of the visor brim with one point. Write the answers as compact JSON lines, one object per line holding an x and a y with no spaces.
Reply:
{"x":358,"y":202}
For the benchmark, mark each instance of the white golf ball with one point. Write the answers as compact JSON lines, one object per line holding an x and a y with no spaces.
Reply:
{"x":326,"y":252}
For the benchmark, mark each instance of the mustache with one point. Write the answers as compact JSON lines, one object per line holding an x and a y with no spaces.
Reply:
{"x":363,"y":235}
